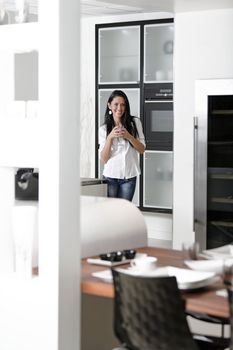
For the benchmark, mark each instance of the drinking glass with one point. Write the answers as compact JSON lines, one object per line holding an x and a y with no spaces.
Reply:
{"x":228,"y":271}
{"x":190,"y":250}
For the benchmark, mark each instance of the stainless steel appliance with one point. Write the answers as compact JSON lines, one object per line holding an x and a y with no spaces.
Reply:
{"x":213,"y":163}
{"x":158,"y":116}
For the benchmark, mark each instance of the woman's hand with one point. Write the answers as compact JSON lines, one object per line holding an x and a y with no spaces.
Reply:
{"x":116,"y":132}
{"x":126,"y":135}
{"x":134,"y":142}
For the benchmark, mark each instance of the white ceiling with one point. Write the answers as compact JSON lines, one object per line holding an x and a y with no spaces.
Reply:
{"x":120,"y":7}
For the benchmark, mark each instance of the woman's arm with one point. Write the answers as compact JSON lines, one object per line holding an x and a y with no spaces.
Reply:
{"x":106,"y":150}
{"x":105,"y":153}
{"x":135,"y":142}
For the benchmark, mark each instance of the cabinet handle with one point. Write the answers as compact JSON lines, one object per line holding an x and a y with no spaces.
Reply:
{"x":158,"y":101}
{"x":195,"y":145}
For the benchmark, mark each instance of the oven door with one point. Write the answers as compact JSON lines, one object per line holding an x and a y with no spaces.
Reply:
{"x":158,"y":125}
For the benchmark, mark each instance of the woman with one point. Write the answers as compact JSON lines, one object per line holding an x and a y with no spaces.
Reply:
{"x":121,"y":140}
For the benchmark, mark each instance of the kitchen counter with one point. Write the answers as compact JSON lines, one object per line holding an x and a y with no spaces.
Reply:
{"x":93,"y":187}
{"x":87,"y":181}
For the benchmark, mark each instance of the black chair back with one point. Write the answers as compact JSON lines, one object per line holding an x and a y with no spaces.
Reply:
{"x":230,"y":299}
{"x":149,"y":313}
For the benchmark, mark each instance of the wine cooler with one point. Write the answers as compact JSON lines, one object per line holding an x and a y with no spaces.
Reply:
{"x":213,"y":164}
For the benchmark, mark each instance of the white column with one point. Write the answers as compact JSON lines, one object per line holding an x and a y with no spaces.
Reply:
{"x":59,"y":173}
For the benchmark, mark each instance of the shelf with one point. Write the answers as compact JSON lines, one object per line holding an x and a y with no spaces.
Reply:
{"x":227,"y":200}
{"x":113,"y":56}
{"x":223,"y":112}
{"x":221,"y":176}
{"x":220,"y":143}
{"x":222,"y":223}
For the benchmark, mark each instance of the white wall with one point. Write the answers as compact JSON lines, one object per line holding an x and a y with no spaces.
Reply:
{"x":203,"y":50}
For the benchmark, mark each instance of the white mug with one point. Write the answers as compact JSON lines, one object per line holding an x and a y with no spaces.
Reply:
{"x":145,"y":263}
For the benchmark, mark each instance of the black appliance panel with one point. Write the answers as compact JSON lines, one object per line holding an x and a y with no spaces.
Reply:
{"x":158,"y":116}
{"x":158,"y":125}
{"x":161,"y":91}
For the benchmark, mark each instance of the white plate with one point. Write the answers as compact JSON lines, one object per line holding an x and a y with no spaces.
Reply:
{"x":186,"y":279}
{"x":189,"y":279}
{"x":215,"y":265}
{"x":106,"y":275}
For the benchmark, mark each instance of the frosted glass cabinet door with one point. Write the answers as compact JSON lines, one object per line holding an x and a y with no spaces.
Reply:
{"x":119,"y":55}
{"x":157,"y":183}
{"x":133,"y":97}
{"x":158,"y":52}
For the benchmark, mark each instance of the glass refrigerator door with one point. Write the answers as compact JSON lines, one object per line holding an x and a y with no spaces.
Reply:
{"x":119,"y":55}
{"x":157,"y":179}
{"x":220,"y":171}
{"x":158,"y":53}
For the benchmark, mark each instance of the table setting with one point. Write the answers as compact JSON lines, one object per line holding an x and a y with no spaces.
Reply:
{"x":203,"y":269}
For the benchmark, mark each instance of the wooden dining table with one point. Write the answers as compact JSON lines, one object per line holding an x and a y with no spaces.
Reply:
{"x":204,"y":301}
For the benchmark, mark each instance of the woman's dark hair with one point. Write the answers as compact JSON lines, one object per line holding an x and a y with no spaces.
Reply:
{"x":127,"y":120}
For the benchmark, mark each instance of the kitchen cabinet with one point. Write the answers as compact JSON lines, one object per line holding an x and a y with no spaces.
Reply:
{"x":119,"y":55}
{"x":158,"y":53}
{"x":157,"y":180}
{"x":135,"y":56}
{"x":93,"y":187}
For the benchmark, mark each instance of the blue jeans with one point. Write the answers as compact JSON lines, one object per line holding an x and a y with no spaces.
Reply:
{"x":121,"y":188}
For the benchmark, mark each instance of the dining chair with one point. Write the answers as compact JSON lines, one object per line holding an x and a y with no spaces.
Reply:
{"x":149,"y":314}
{"x":230,"y":299}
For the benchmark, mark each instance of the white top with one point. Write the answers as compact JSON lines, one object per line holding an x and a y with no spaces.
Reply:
{"x":124,"y":159}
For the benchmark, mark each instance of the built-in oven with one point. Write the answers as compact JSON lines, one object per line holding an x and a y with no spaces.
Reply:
{"x":158,"y":116}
